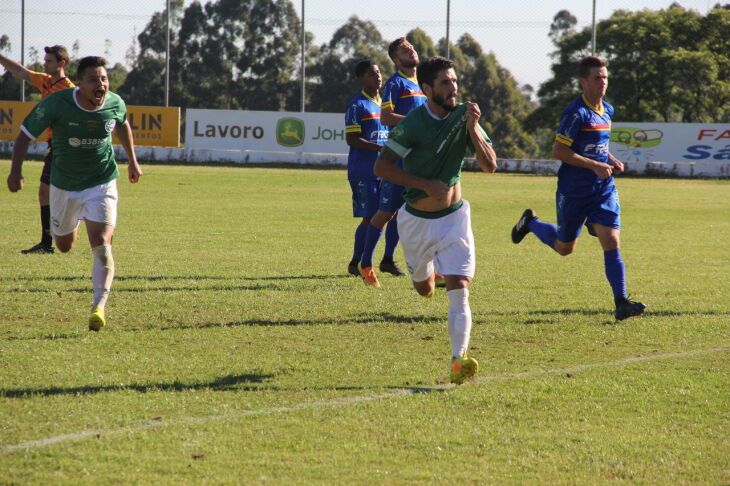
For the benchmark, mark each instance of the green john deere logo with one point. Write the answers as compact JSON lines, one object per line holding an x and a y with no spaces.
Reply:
{"x":290,"y":132}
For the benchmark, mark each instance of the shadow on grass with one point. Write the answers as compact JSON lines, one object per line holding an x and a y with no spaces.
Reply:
{"x":376,"y":318}
{"x":157,"y":278}
{"x":228,"y":382}
{"x":222,"y":288}
{"x":244,"y":383}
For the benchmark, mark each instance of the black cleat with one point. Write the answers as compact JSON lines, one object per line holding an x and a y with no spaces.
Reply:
{"x":628,"y":308}
{"x":391,"y":268}
{"x":40,"y":248}
{"x":591,"y":230}
{"x":353,"y":270}
{"x":520,"y":230}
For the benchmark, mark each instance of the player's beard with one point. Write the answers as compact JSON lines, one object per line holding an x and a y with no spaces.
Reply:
{"x":441,"y":101}
{"x":409,"y":63}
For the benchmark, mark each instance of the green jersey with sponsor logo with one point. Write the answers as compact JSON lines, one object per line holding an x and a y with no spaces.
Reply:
{"x":83,"y":156}
{"x":432,"y":148}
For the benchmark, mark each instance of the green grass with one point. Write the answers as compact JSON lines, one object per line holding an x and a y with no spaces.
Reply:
{"x":238,"y":350}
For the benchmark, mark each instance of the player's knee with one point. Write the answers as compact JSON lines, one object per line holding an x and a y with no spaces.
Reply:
{"x":564,"y":250}
{"x":64,"y":246}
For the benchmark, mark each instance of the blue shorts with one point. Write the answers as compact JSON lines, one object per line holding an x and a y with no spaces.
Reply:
{"x":365,"y":195}
{"x":391,"y":196}
{"x":602,"y":208}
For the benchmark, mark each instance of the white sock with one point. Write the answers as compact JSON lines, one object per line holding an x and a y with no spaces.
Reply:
{"x":459,"y":321}
{"x":102,"y":274}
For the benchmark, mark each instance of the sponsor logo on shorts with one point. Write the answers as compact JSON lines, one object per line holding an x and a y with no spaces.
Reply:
{"x":56,"y":223}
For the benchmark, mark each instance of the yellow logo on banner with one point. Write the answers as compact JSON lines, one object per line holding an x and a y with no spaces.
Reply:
{"x":155,"y":126}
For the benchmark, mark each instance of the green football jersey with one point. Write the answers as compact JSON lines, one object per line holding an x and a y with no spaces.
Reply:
{"x":83,"y":156}
{"x":432,"y":148}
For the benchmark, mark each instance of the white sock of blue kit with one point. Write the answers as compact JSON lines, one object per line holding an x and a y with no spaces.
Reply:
{"x":459,"y":321}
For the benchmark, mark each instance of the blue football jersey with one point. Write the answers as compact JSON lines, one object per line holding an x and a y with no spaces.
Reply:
{"x":401,"y":94}
{"x":586,"y":131}
{"x":363,"y":117}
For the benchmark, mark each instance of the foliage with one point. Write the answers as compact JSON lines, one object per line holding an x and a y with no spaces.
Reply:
{"x":334,"y":70}
{"x":668,"y":65}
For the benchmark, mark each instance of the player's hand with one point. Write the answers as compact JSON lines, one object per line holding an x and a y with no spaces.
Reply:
{"x":134,"y":172}
{"x":603,"y":171}
{"x":473,"y":113}
{"x":437,"y":189}
{"x":15,"y":182}
{"x":618,"y":166}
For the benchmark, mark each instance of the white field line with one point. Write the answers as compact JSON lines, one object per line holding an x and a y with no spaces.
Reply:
{"x":345,"y":401}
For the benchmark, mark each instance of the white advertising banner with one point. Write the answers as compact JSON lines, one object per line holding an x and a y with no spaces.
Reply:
{"x":671,"y":142}
{"x":276,"y":131}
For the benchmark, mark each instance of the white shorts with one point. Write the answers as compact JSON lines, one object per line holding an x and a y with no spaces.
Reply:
{"x":97,"y":204}
{"x":444,"y":244}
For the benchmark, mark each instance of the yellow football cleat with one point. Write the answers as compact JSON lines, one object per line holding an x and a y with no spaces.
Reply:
{"x":97,"y":319}
{"x":462,"y":369}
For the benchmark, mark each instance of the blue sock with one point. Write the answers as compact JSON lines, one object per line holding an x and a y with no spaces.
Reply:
{"x":391,"y":238}
{"x":615,"y":273}
{"x":545,"y":232}
{"x":371,"y":241}
{"x":360,"y":233}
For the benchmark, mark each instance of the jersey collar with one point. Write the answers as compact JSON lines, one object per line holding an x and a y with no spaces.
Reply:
{"x":376,"y":99}
{"x":598,"y":109}
{"x":76,"y":89}
{"x":413,"y":79}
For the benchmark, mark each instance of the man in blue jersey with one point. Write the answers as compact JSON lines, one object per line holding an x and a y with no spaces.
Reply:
{"x":586,"y":190}
{"x":365,"y":136}
{"x":435,"y":222}
{"x":401,"y":94}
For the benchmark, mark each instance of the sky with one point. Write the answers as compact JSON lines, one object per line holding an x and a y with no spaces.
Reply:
{"x":515,"y":30}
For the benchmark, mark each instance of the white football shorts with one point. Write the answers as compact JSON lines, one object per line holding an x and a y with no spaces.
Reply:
{"x":444,"y":245}
{"x":68,"y":208}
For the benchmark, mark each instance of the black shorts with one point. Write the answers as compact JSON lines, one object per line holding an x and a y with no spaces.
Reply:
{"x":46,"y":173}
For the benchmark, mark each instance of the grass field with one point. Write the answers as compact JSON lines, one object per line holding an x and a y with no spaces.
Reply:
{"x":238,"y":350}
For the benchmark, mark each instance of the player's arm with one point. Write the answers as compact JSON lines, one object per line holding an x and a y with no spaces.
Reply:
{"x":124,"y":132}
{"x":14,"y":68}
{"x":354,"y":140}
{"x":563,"y":152}
{"x":20,"y":149}
{"x":389,"y":117}
{"x":483,"y":151}
{"x":386,"y":167}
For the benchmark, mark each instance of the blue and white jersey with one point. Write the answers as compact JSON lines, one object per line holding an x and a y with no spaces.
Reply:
{"x":363,"y":117}
{"x":586,"y":130}
{"x":401,"y":94}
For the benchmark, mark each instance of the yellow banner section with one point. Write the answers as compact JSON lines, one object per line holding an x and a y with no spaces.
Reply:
{"x":155,"y":126}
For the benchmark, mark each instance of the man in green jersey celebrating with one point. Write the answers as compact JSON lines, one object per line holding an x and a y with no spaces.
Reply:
{"x":435,"y":222}
{"x":84,"y":172}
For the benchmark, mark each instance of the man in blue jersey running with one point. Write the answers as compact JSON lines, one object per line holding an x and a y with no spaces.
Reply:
{"x":586,"y":190}
{"x":365,"y":136}
{"x":435,"y":222}
{"x":401,"y":94}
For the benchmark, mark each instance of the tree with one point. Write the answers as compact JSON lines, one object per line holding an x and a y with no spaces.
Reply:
{"x":334,"y":71}
{"x":225,"y":54}
{"x":666,"y":65}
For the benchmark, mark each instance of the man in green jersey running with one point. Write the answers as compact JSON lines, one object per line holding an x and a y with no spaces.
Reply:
{"x":435,"y":222}
{"x":84,"y":172}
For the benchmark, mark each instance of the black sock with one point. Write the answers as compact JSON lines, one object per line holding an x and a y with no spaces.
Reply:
{"x":354,"y":262}
{"x":387,"y":259}
{"x":46,"y":238}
